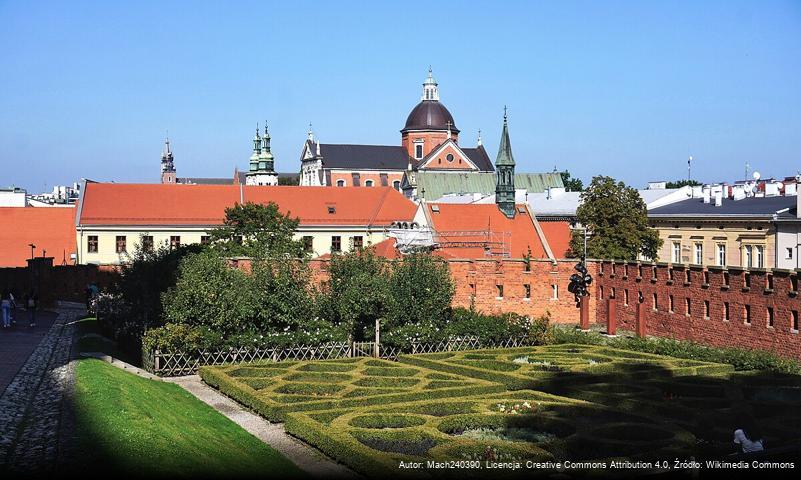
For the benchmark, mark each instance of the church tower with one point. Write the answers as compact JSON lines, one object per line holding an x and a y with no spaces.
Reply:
{"x":429,"y":124}
{"x":505,"y":173}
{"x":167,"y":164}
{"x":262,"y":162}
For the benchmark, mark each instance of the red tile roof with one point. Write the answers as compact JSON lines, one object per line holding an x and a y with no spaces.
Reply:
{"x":558,"y":236}
{"x":51,"y":229}
{"x":157,"y":204}
{"x":517,"y":233}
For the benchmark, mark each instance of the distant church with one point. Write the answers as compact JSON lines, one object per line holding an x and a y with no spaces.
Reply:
{"x":429,"y":141}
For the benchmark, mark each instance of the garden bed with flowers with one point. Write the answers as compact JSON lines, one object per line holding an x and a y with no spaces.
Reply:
{"x":558,"y":402}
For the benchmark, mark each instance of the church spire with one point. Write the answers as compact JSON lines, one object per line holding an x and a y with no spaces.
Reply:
{"x":257,"y":141}
{"x":505,"y":173}
{"x":430,"y":87}
{"x":167,"y":163}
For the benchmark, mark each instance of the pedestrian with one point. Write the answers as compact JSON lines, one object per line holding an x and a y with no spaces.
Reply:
{"x":32,"y":303}
{"x":13,"y":307}
{"x":5,"y":305}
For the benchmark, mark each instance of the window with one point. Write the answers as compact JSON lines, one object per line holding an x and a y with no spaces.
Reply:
{"x":747,"y":251}
{"x":626,"y":297}
{"x":122,"y":246}
{"x":746,"y":280}
{"x":396,"y":185}
{"x":769,"y":281}
{"x":706,"y":309}
{"x":747,"y":314}
{"x":91,"y":246}
{"x":726,"y":311}
{"x":175,"y":241}
{"x":794,"y":321}
{"x":612,"y":293}
{"x":688,"y":276}
{"x":449,"y":157}
{"x":336,"y":243}
{"x":759,"y":260}
{"x":676,"y":252}
{"x":368,"y":183}
{"x":721,"y":260}
{"x":147,"y":243}
{"x":418,"y":151}
{"x":601,"y":292}
{"x":725,"y":279}
{"x":671,"y":304}
{"x":788,"y":253}
{"x":794,"y":283}
{"x":527,"y":290}
{"x":688,"y":309}
{"x":358,"y":242}
{"x":355,"y":179}
{"x":205,"y":239}
{"x":500,"y":290}
{"x":554,"y":291}
{"x":699,"y":253}
{"x":770,"y":317}
{"x":706,"y":277}
{"x":384,"y":179}
{"x":308,"y":242}
{"x":655,"y":302}
{"x":340,"y":183}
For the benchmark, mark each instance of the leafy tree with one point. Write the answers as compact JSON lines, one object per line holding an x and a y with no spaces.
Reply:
{"x":682,"y":183}
{"x":571,"y":184}
{"x":420,"y":291}
{"x":257,"y":231}
{"x":293,"y":180}
{"x":357,"y":291}
{"x":617,"y":219}
{"x":284,"y":300}
{"x":210,"y":293}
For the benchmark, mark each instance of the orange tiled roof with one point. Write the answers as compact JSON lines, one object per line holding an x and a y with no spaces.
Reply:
{"x":558,"y":236}
{"x":49,"y":228}
{"x":180,"y":205}
{"x":454,"y":217}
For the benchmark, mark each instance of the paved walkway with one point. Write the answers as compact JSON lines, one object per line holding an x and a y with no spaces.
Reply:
{"x":31,"y":405}
{"x":18,"y":342}
{"x":305,"y":457}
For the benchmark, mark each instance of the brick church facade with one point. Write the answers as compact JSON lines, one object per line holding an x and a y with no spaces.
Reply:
{"x":429,"y":141}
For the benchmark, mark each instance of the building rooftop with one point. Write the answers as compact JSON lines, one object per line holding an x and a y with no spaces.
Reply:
{"x":50,"y":229}
{"x":746,"y":207}
{"x":184,"y":205}
{"x":435,"y":185}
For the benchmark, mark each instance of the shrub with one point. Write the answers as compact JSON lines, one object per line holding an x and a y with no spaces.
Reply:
{"x":177,"y":337}
{"x":740,"y":358}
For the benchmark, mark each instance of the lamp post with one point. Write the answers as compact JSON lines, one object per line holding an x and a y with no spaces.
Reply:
{"x":33,"y":247}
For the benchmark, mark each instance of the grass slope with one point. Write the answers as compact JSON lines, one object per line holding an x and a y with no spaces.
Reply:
{"x":145,"y":427}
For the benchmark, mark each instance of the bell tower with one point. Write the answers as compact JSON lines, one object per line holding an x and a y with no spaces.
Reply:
{"x":167,"y":164}
{"x":262,"y":161}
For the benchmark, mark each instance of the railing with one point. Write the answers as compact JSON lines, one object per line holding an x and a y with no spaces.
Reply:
{"x":169,"y":364}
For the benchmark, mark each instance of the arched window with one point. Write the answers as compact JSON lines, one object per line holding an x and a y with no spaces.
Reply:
{"x":340,"y":183}
{"x":368,"y":183}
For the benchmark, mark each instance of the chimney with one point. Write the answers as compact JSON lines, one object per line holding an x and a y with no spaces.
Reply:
{"x":707,"y":193}
{"x":719,"y":198}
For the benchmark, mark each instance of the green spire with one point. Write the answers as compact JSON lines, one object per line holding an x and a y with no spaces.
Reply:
{"x":505,"y":156}
{"x":505,"y":173}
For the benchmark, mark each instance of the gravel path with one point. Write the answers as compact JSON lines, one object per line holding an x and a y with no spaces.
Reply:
{"x":32,"y":404}
{"x":305,"y":457}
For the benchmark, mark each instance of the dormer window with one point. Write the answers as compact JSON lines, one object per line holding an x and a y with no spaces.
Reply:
{"x":332,"y":209}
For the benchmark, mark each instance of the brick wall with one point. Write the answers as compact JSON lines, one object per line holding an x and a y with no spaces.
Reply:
{"x":478,"y":281}
{"x":55,"y":282}
{"x":753,"y":298}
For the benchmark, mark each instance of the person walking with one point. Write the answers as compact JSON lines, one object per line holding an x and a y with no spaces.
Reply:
{"x":5,"y":305}
{"x":13,"y":307}
{"x":32,"y":303}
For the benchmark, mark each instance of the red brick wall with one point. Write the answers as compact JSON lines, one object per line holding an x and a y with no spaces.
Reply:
{"x":477,"y":281}
{"x":56,"y":282}
{"x":706,"y":286}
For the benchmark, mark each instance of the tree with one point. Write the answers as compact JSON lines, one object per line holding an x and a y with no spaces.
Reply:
{"x":421,"y":290}
{"x":256,"y":231}
{"x":571,"y":184}
{"x":682,"y":183}
{"x":357,"y":291}
{"x":617,"y":219}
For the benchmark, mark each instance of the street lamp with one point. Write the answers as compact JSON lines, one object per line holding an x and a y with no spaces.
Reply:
{"x":32,"y":249}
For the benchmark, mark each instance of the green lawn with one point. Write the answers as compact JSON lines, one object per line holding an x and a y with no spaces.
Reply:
{"x":144,"y":427}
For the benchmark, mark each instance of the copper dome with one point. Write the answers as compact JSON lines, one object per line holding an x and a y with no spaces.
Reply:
{"x":430,"y":115}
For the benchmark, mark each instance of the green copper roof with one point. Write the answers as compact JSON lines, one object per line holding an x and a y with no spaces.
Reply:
{"x":433,"y":185}
{"x":505,"y":149}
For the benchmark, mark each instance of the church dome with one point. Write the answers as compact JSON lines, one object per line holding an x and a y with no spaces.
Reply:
{"x":430,"y":115}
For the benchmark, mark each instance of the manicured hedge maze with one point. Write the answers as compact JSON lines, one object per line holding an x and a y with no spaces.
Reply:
{"x":561,"y":402}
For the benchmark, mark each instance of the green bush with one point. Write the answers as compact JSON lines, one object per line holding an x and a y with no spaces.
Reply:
{"x":740,"y":358}
{"x":180,"y":338}
{"x":386,"y":420}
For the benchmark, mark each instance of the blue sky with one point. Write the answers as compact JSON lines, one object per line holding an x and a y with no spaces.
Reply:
{"x":627,"y":89}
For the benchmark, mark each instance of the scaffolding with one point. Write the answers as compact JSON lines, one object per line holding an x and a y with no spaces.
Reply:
{"x":494,"y":244}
